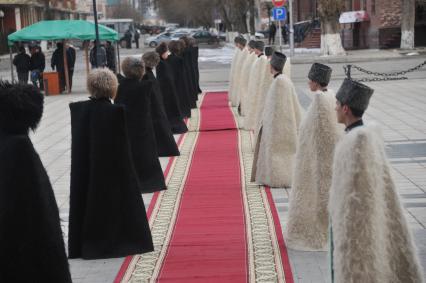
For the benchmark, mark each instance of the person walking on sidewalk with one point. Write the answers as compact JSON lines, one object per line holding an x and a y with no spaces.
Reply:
{"x":71,"y":63}
{"x":370,"y":237}
{"x":272,"y":33}
{"x":136,"y":37}
{"x":22,"y":63}
{"x":58,"y":63}
{"x":37,"y":66}
{"x":30,"y":228}
{"x":110,"y":57}
{"x":101,"y":56}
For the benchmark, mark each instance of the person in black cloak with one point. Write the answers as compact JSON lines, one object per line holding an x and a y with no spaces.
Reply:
{"x":31,"y":243}
{"x":180,"y":78}
{"x":135,"y":95}
{"x":166,"y":144}
{"x":189,"y":70}
{"x":168,"y":91}
{"x":195,"y":53}
{"x":107,"y":214}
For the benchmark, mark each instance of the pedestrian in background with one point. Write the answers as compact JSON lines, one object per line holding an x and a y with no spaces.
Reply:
{"x":101,"y":56}
{"x":37,"y":66}
{"x":30,"y":227}
{"x":22,"y":63}
{"x":107,"y":212}
{"x":58,"y":63}
{"x":71,"y":63}
{"x":128,"y":39}
{"x":137,"y":36}
{"x":110,"y":56}
{"x":272,"y":33}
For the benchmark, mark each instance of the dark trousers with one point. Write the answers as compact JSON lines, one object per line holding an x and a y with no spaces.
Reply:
{"x":23,"y":77}
{"x":137,"y":42}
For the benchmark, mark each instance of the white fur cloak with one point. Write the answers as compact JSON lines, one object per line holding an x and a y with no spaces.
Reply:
{"x":256,"y":72}
{"x":277,"y":139}
{"x":307,"y":226}
{"x":236,"y":57}
{"x":287,"y":67}
{"x":244,"y":82}
{"x":256,"y":99}
{"x":372,"y":241}
{"x":235,"y":98}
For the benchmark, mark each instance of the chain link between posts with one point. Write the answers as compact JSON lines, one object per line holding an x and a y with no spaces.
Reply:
{"x":380,"y":76}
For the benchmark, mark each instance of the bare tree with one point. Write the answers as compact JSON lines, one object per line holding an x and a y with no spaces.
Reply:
{"x":126,"y":11}
{"x":407,"y":24}
{"x":252,"y":15}
{"x":329,"y":12}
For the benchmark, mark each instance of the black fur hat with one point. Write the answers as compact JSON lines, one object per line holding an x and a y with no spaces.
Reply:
{"x":21,"y":107}
{"x":269,"y":50}
{"x":278,"y":60}
{"x":252,"y":44}
{"x":259,"y":45}
{"x":320,"y":73}
{"x":354,"y":94}
{"x":240,"y":40}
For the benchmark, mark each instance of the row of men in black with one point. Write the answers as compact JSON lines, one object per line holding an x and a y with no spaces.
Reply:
{"x":113,"y":160}
{"x":34,"y":64}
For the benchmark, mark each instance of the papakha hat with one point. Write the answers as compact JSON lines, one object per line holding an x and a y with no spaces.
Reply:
{"x":252,"y":44}
{"x":320,"y":73}
{"x":269,"y":50}
{"x":354,"y":94}
{"x":259,"y":45}
{"x":278,"y":60}
{"x":240,"y":40}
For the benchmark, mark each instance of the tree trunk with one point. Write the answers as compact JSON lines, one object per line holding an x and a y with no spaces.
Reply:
{"x":252,"y":15}
{"x":331,"y":42}
{"x":407,"y":24}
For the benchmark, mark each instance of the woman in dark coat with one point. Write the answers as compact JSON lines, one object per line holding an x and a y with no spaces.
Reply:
{"x":135,"y":95}
{"x":166,"y":144}
{"x":168,"y":90}
{"x":179,"y":74}
{"x":107,"y":213}
{"x":31,"y":244}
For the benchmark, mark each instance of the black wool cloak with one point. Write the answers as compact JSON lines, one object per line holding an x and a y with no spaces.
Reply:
{"x":107,"y":214}
{"x":195,"y":55}
{"x":170,"y":97}
{"x":166,"y":144}
{"x":181,"y":83}
{"x":190,"y":76}
{"x":136,"y":97}
{"x":31,"y":242}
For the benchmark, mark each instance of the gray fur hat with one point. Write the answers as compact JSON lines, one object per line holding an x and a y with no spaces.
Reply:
{"x":240,"y":40}
{"x":133,"y":68}
{"x":252,"y":44}
{"x":320,"y":73}
{"x":151,"y":59}
{"x":102,"y":82}
{"x":278,"y":60}
{"x":259,"y":45}
{"x":354,"y":94}
{"x":269,"y":50}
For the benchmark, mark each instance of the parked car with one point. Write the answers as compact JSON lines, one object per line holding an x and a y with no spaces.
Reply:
{"x":154,"y":41}
{"x":206,"y":37}
{"x":178,"y":35}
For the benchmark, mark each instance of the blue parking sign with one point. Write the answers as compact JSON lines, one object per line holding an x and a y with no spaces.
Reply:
{"x":279,"y":14}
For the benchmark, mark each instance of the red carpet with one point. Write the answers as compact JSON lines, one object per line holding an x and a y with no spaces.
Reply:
{"x":209,"y":235}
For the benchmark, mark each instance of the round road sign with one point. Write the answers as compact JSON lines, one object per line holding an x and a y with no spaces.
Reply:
{"x":279,"y":3}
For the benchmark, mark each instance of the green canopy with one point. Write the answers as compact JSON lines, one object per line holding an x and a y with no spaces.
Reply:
{"x":63,"y":29}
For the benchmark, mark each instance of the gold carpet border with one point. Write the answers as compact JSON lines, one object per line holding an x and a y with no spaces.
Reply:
{"x":265,"y":264}
{"x":145,"y":268}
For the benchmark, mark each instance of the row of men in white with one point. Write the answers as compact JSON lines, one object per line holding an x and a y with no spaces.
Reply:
{"x":343,"y":197}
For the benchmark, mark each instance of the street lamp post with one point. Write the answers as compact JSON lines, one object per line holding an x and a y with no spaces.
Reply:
{"x":1,"y":17}
{"x":95,"y":15}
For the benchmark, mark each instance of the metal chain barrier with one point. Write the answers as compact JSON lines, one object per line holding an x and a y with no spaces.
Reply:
{"x":380,"y":76}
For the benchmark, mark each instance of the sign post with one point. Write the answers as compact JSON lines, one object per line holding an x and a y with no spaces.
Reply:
{"x":280,"y":14}
{"x":291,"y":29}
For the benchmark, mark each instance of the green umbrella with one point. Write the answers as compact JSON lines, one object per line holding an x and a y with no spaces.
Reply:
{"x":62,"y":29}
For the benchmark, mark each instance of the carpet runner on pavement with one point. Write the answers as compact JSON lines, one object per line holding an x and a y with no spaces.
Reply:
{"x":212,"y":224}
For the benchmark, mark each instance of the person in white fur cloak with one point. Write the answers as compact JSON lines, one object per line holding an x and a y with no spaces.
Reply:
{"x":277,"y":139}
{"x":265,"y":83}
{"x":245,"y":77}
{"x":235,"y":98}
{"x":307,"y":226}
{"x":240,"y":44}
{"x":259,"y":67}
{"x":371,"y":241}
